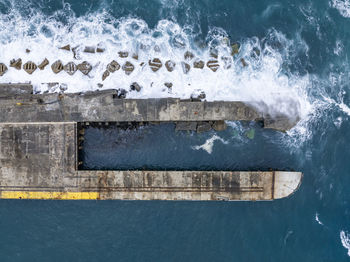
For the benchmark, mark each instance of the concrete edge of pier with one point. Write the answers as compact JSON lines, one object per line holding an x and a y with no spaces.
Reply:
{"x":39,"y":155}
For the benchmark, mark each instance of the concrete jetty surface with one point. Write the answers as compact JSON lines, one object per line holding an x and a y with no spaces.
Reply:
{"x":39,"y":151}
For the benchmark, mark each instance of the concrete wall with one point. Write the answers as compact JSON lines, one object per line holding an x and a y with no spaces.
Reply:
{"x":38,"y":160}
{"x":106,"y":106}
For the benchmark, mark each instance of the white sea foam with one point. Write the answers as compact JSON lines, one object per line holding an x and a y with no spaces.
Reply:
{"x":343,"y":6}
{"x":209,"y":144}
{"x":263,"y":82}
{"x":345,"y":240}
{"x":318,"y":219}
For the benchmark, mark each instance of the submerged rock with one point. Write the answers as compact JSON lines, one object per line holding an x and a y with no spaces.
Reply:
{"x":123,"y":54}
{"x":66,"y":47}
{"x":179,"y":42}
{"x":185,"y":67}
{"x":105,"y":75}
{"x":57,"y":66}
{"x":43,"y":64}
{"x":214,"y":53}
{"x":203,"y":127}
{"x":156,"y":48}
{"x":235,"y":48}
{"x":198,"y":64}
{"x":170,"y":65}
{"x":70,"y":68}
{"x":155,"y":64}
{"x":16,"y":63}
{"x":84,"y":67}
{"x":128,"y":67}
{"x":255,"y":52}
{"x":3,"y":69}
{"x":227,"y":62}
{"x":244,"y":63}
{"x":250,"y":133}
{"x":113,"y":66}
{"x":188,"y":55}
{"x":135,"y":86}
{"x":219,"y":125}
{"x":29,"y":67}
{"x":213,"y":65}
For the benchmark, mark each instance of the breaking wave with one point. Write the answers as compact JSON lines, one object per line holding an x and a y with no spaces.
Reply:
{"x":345,"y":240}
{"x":343,"y":6}
{"x":264,"y":71}
{"x":209,"y":144}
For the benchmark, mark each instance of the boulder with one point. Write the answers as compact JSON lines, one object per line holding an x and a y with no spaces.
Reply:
{"x":186,"y":126}
{"x":29,"y":67}
{"x":84,"y":67}
{"x":170,"y":65}
{"x":185,"y":67}
{"x":128,"y":68}
{"x":203,"y":127}
{"x":57,"y":66}
{"x":219,"y":125}
{"x":16,"y":63}
{"x":113,"y":66}
{"x":213,"y":65}
{"x":63,"y":87}
{"x":155,"y":64}
{"x":123,"y":54}
{"x":244,"y":63}
{"x":135,"y":56}
{"x":43,"y":64}
{"x":198,"y":97}
{"x":66,"y":47}
{"x":70,"y":68}
{"x":135,"y":86}
{"x":3,"y":69}
{"x":188,"y":55}
{"x":100,"y":50}
{"x":168,"y":85}
{"x":27,"y":51}
{"x":89,"y":49}
{"x":198,"y":64}
{"x":105,"y":75}
{"x":121,"y":93}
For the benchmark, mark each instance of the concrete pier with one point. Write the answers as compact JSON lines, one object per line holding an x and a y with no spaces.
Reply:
{"x":38,"y":151}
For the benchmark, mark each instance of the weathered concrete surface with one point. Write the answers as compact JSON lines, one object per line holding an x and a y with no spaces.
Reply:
{"x":39,"y":161}
{"x":104,"y":106}
{"x":7,"y":90}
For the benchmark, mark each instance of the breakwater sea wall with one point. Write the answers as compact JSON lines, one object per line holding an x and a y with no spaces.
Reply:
{"x":40,"y":136}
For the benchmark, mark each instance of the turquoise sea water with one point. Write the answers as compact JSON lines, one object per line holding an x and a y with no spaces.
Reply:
{"x":311,"y":39}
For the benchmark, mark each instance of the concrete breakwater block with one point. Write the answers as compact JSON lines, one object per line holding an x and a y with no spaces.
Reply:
{"x":30,"y":67}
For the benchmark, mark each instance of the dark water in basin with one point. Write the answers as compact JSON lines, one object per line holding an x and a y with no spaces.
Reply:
{"x":159,"y":147}
{"x":312,"y":225}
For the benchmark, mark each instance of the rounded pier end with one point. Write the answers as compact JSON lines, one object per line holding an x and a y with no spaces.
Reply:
{"x":286,"y":183}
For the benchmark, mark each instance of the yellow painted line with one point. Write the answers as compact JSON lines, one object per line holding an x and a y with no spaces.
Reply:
{"x":49,"y":195}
